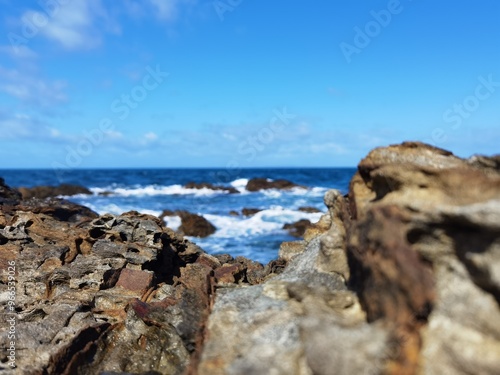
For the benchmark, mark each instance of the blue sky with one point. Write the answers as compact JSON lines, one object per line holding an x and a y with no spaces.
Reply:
{"x":240,"y":83}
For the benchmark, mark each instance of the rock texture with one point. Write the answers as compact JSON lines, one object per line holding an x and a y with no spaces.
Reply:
{"x":400,"y":277}
{"x":108,"y":294}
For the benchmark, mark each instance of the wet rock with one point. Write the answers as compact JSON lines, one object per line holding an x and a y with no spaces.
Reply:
{"x":207,"y":185}
{"x":195,"y":225}
{"x":298,"y":228}
{"x":250,"y":211}
{"x":309,"y":210}
{"x":256,"y":184}
{"x":43,"y":192}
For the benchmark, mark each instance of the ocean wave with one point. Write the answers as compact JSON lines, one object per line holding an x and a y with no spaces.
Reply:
{"x":114,"y":209}
{"x":155,"y":190}
{"x":263,"y":222}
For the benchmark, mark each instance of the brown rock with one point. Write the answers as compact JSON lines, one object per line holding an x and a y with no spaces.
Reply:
{"x":43,"y":192}
{"x":310,"y":210}
{"x":229,"y":273}
{"x":135,"y":280}
{"x":195,"y":225}
{"x":298,"y":228}
{"x":250,"y":211}
{"x":256,"y":184}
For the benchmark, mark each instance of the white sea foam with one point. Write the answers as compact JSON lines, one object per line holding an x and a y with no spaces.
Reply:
{"x":263,"y":222}
{"x":114,"y":209}
{"x":173,"y":222}
{"x":155,"y":190}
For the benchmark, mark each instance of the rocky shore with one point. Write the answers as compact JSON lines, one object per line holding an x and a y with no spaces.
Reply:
{"x":401,"y":276}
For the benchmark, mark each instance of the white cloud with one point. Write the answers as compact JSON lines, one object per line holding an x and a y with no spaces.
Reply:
{"x":21,"y":126}
{"x":114,"y":135}
{"x":77,"y":24}
{"x":167,"y":9}
{"x":31,"y":89}
{"x":18,"y":52}
{"x":150,"y":136}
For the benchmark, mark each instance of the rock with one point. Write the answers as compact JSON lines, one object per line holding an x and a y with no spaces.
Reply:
{"x":298,"y":228}
{"x":309,"y":210}
{"x":400,"y":277}
{"x":422,"y":244}
{"x":233,"y":213}
{"x":195,"y":225}
{"x":207,"y":185}
{"x":288,"y":250}
{"x":229,"y":273}
{"x":43,"y":192}
{"x":59,"y":209}
{"x":135,"y":280}
{"x":166,"y":213}
{"x":250,"y":211}
{"x":113,"y":294}
{"x":256,"y":184}
{"x":8,"y":196}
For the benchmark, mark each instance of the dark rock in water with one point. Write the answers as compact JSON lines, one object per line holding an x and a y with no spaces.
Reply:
{"x":256,"y":184}
{"x":195,"y":225}
{"x":105,"y":193}
{"x":250,"y":211}
{"x":166,"y":213}
{"x":8,"y":196}
{"x":207,"y":185}
{"x":309,"y":210}
{"x":233,"y":213}
{"x":298,"y":228}
{"x":43,"y":192}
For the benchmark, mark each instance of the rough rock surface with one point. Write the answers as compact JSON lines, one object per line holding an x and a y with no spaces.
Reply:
{"x":43,"y":192}
{"x":401,"y":277}
{"x":256,"y":184}
{"x":107,"y":294}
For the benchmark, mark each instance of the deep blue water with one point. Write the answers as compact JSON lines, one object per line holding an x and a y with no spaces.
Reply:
{"x":154,"y":190}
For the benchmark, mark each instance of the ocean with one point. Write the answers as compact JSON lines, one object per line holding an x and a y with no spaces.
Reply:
{"x":151,"y":191}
